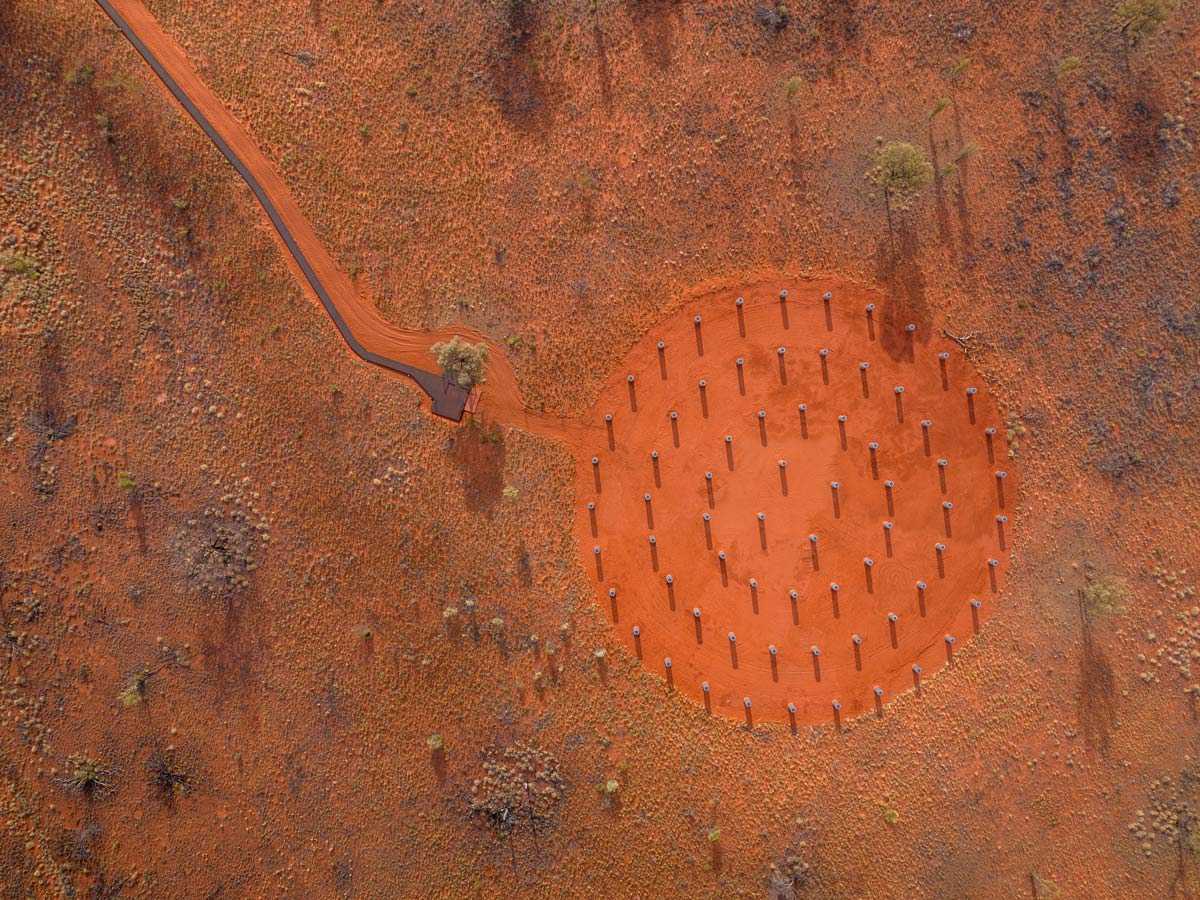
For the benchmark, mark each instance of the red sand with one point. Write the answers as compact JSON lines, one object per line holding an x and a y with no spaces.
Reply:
{"x":765,"y":615}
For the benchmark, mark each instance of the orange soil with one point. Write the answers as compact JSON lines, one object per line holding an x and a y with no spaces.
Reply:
{"x":776,"y":553}
{"x":1038,"y":745}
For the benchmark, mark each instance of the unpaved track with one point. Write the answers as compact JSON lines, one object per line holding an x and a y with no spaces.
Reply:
{"x":364,"y":330}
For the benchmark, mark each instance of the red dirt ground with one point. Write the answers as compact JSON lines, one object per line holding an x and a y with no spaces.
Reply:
{"x":564,"y":178}
{"x":778,"y":555}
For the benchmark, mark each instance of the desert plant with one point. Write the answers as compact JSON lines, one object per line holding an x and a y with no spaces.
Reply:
{"x":80,"y":73}
{"x":85,"y":775}
{"x":959,"y":69}
{"x":1043,"y":888}
{"x":891,"y":816}
{"x":901,"y":171}
{"x":215,"y":551}
{"x":521,"y":786}
{"x":435,"y":742}
{"x":18,"y":264}
{"x":1105,"y":596}
{"x":1136,"y":19}
{"x":788,"y":878}
{"x":771,"y":16}
{"x":167,"y":779}
{"x":137,"y":688}
{"x":609,"y":790}
{"x":461,"y":361}
{"x":1068,"y":64}
{"x":939,"y":107}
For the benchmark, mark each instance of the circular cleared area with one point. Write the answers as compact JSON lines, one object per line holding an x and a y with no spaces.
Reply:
{"x":799,"y":502}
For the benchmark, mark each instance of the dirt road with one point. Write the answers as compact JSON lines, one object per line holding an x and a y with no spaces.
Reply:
{"x":365,"y":331}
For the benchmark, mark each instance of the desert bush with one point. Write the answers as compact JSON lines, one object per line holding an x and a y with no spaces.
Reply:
{"x":1043,"y":888}
{"x":135,"y":692}
{"x":609,"y":791}
{"x":461,"y":361}
{"x":18,"y":264}
{"x":86,"y":776}
{"x":1105,"y":596}
{"x":80,"y":73}
{"x":167,"y":779}
{"x":771,"y":16}
{"x":215,"y":551}
{"x":1068,"y":65}
{"x":901,"y":171}
{"x":521,"y":786}
{"x":1141,"y":18}
{"x":788,"y":878}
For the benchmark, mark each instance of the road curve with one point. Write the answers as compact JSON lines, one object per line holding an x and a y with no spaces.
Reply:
{"x":365,"y":331}
{"x":320,"y":271}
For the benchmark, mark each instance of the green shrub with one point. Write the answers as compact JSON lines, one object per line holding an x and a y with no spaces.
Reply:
{"x":1105,"y":596}
{"x":461,"y":361}
{"x":1069,"y":64}
{"x":85,"y":775}
{"x":18,"y":264}
{"x":901,"y":171}
{"x":1141,"y":18}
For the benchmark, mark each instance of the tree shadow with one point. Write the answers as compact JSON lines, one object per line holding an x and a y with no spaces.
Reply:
{"x":522,"y":92}
{"x":479,"y":455}
{"x":603,"y":70}
{"x":1097,"y":689}
{"x":941,"y":205}
{"x":799,"y":178}
{"x":898,"y":270}
{"x":653,"y":23}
